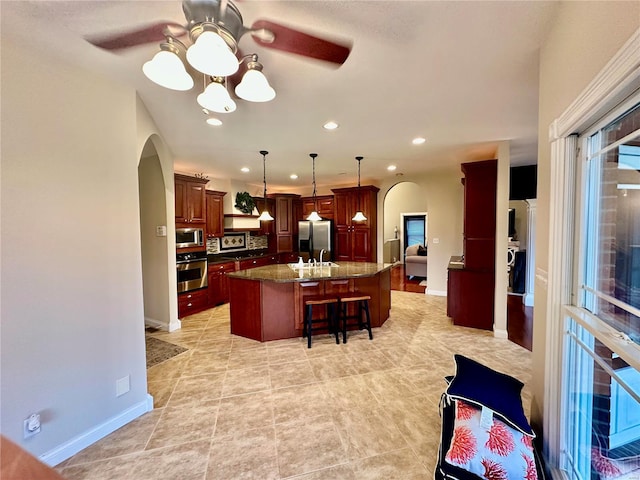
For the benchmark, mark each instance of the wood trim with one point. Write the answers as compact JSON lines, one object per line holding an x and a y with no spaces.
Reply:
{"x":615,"y":81}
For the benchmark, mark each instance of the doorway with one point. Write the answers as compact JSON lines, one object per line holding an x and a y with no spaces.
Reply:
{"x":415,"y":229}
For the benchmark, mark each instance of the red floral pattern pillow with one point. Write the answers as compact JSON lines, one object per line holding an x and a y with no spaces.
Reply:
{"x":498,"y":452}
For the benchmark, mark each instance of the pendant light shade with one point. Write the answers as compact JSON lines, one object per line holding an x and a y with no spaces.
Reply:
{"x":265,"y":216}
{"x":216,"y":98}
{"x":211,"y":55}
{"x":254,"y":86}
{"x":314,"y":216}
{"x":167,"y":70}
{"x":359,"y":216}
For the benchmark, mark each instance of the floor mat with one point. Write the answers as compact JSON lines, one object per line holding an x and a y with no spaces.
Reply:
{"x":158,"y":350}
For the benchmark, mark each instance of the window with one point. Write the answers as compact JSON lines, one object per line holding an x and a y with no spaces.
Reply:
{"x":414,"y":229}
{"x":601,"y":380}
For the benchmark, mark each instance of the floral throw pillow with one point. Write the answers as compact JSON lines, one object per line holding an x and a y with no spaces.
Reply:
{"x":491,"y":450}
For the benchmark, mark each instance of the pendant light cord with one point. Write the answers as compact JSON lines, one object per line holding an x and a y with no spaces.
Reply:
{"x":313,"y":169}
{"x":264,"y":173}
{"x":358,"y":159}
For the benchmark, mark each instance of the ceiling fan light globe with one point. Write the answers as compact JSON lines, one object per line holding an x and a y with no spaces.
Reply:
{"x":212,"y":56}
{"x":167,"y":70}
{"x":216,"y":99}
{"x":359,"y":217}
{"x":314,"y":217}
{"x":265,"y":216}
{"x":255,"y":87}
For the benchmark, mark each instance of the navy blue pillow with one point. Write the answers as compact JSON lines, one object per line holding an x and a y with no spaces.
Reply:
{"x":478,"y":384}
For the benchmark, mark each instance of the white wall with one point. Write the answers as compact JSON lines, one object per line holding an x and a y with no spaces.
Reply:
{"x":583,"y":39}
{"x":443,"y":193}
{"x":404,"y":197}
{"x":71,"y":287}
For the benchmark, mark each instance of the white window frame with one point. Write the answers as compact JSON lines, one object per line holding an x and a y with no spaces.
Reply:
{"x":617,"y":80}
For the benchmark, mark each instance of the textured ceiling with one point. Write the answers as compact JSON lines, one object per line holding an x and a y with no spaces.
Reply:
{"x":464,"y":75}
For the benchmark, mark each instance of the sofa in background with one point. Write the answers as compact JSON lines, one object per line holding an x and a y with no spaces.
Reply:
{"x":415,"y":261}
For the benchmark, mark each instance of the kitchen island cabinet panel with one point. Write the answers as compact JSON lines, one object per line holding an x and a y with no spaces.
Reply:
{"x":246,"y":305}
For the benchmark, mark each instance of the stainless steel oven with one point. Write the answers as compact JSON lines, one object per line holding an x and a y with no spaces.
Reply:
{"x":191,"y":271}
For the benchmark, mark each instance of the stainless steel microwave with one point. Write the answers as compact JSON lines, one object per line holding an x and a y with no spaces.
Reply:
{"x":189,"y":237}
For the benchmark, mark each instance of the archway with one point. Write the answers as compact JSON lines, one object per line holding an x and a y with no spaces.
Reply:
{"x":155,"y":240}
{"x":403,"y":200}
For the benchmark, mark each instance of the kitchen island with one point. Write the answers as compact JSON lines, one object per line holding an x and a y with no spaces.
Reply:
{"x":267,"y":303}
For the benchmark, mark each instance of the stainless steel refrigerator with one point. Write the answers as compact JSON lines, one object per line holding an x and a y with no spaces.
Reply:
{"x":313,"y":237}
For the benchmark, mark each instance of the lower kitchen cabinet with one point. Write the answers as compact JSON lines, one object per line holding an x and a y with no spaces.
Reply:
{"x":192,"y":302}
{"x":258,"y":262}
{"x":218,"y":290}
{"x":288,"y":257}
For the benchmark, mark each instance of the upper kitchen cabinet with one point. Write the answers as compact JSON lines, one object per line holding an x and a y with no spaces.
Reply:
{"x":190,"y":199}
{"x":323,"y":204}
{"x":355,"y":241}
{"x":283,"y":213}
{"x":215,"y":213}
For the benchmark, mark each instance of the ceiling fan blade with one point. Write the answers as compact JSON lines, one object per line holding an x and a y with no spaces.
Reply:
{"x":151,"y":33}
{"x":300,"y":43}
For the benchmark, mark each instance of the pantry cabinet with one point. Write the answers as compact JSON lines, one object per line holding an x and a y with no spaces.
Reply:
{"x":355,"y":241}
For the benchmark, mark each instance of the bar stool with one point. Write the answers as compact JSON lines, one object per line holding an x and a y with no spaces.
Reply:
{"x":329,"y":323}
{"x":362,"y":307}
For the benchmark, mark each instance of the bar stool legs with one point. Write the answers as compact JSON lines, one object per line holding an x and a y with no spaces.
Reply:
{"x":330,"y":322}
{"x":362,"y":304}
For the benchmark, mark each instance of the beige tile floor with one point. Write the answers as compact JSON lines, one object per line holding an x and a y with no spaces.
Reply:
{"x":233,"y":408}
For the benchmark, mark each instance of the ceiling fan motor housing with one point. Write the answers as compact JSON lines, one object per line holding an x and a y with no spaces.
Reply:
{"x":203,"y":15}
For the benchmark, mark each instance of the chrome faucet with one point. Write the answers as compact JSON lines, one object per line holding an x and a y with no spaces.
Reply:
{"x":321,"y":254}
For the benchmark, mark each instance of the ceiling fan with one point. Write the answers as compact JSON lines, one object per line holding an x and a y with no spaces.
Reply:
{"x":224,"y":17}
{"x":214,"y":28}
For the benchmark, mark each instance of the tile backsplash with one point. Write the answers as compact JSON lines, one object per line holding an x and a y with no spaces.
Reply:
{"x":253,"y":242}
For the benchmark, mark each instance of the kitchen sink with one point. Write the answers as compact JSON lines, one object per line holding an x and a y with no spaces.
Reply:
{"x":295,"y":266}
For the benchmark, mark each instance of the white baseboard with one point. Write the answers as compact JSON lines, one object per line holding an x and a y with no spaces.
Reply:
{"x":499,"y":333}
{"x":174,"y":325}
{"x":435,"y":293}
{"x":528,"y":299}
{"x":68,"y":449}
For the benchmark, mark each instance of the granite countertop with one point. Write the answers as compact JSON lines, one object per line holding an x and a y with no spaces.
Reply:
{"x":456,"y":263}
{"x":284,"y":273}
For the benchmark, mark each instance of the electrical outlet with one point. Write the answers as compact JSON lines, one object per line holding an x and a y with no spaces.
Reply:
{"x":122,"y":386}
{"x":32,"y":425}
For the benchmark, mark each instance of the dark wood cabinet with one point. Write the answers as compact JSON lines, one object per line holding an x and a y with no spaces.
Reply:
{"x":218,"y":290}
{"x":323,"y":203}
{"x":471,"y":286}
{"x":283,"y":228}
{"x":267,"y":228}
{"x":190,"y":204}
{"x":192,"y":302}
{"x":288,"y":257}
{"x":215,"y":213}
{"x":355,"y":241}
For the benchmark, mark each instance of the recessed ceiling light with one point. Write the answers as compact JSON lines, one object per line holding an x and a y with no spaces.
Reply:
{"x":293,"y":176}
{"x":391,"y":168}
{"x":330,"y":125}
{"x":245,"y":169}
{"x":214,"y":121}
{"x":418,"y":141}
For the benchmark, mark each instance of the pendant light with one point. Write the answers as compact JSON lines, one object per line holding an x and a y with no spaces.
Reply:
{"x":313,"y":216}
{"x":359,"y":216}
{"x":264,"y":216}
